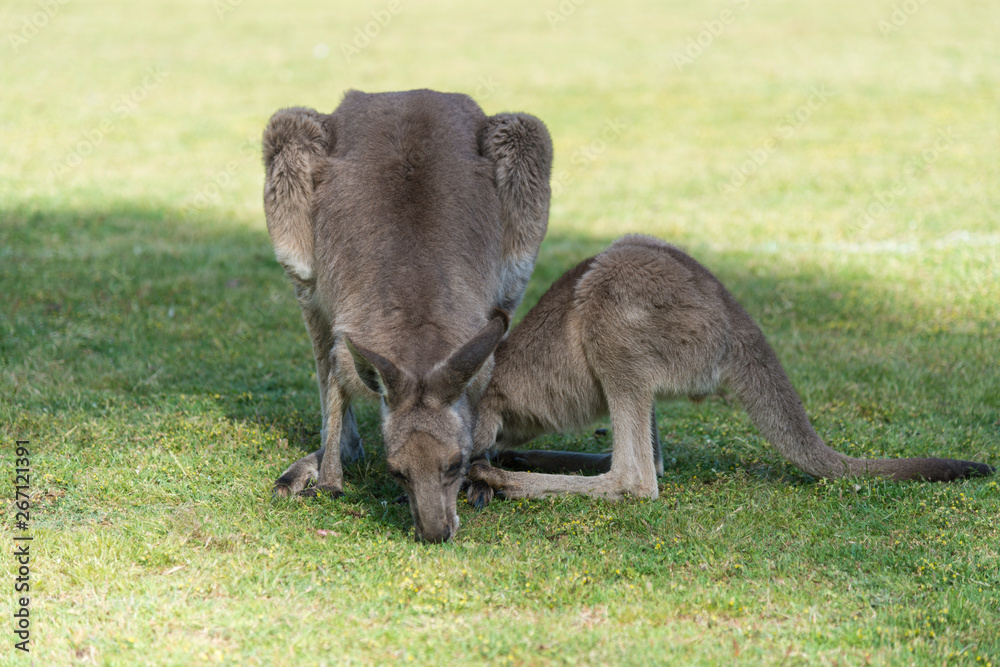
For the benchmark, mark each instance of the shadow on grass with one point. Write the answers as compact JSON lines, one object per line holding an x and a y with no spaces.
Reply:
{"x":135,"y":305}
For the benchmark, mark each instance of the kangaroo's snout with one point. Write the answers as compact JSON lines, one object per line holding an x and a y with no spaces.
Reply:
{"x":436,"y":529}
{"x":442,"y":534}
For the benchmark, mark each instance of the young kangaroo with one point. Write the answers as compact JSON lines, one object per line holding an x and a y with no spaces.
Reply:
{"x":643,"y":320}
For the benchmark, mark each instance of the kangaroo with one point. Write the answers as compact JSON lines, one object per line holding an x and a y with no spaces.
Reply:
{"x":643,"y":320}
{"x":404,"y":220}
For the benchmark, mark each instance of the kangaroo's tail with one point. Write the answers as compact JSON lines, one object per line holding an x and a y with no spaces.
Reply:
{"x":754,"y":374}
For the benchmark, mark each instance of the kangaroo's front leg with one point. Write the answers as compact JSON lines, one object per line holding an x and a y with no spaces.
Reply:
{"x":307,"y":469}
{"x":339,"y":426}
{"x":657,"y":446}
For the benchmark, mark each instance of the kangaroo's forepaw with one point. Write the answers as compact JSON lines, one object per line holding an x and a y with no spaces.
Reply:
{"x":483,"y":474}
{"x":280,"y":490}
{"x":287,"y":486}
{"x":479,"y":494}
{"x":322,"y":491}
{"x":297,"y":476}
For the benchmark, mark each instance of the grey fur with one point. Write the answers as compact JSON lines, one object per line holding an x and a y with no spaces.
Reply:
{"x":403,"y":220}
{"x":638,"y":321}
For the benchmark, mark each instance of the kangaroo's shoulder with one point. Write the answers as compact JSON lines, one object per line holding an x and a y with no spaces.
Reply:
{"x":553,"y":307}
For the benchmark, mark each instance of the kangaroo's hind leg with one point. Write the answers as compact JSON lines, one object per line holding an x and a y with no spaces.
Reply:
{"x":633,"y":468}
{"x":562,"y":462}
{"x":559,"y":462}
{"x":632,"y":472}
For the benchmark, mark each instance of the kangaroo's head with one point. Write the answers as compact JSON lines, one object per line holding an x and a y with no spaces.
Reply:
{"x":427,"y":425}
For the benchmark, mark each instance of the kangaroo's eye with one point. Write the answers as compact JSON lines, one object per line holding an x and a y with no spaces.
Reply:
{"x":454,"y":469}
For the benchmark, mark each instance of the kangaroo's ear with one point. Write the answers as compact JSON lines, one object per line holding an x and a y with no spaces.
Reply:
{"x":449,"y":379}
{"x":521,"y":150}
{"x":295,"y":144}
{"x":376,"y":372}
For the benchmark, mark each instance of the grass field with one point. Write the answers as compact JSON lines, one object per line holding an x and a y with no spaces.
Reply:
{"x":835,"y":164}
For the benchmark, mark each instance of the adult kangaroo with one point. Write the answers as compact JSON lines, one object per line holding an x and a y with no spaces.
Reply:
{"x":404,"y":220}
{"x":643,"y":320}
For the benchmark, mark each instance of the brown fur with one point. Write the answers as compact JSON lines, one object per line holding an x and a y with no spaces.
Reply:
{"x":404,"y":220}
{"x":639,"y":321}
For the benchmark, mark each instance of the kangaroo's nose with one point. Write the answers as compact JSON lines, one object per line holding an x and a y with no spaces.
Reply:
{"x":435,"y":536}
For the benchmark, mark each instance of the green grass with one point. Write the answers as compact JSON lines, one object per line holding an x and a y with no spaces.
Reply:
{"x":153,"y":354}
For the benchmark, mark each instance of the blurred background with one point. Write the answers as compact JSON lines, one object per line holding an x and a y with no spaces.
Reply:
{"x":836,"y":164}
{"x":654,"y":107}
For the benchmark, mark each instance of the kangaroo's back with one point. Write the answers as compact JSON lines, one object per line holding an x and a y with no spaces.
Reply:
{"x":407,"y":223}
